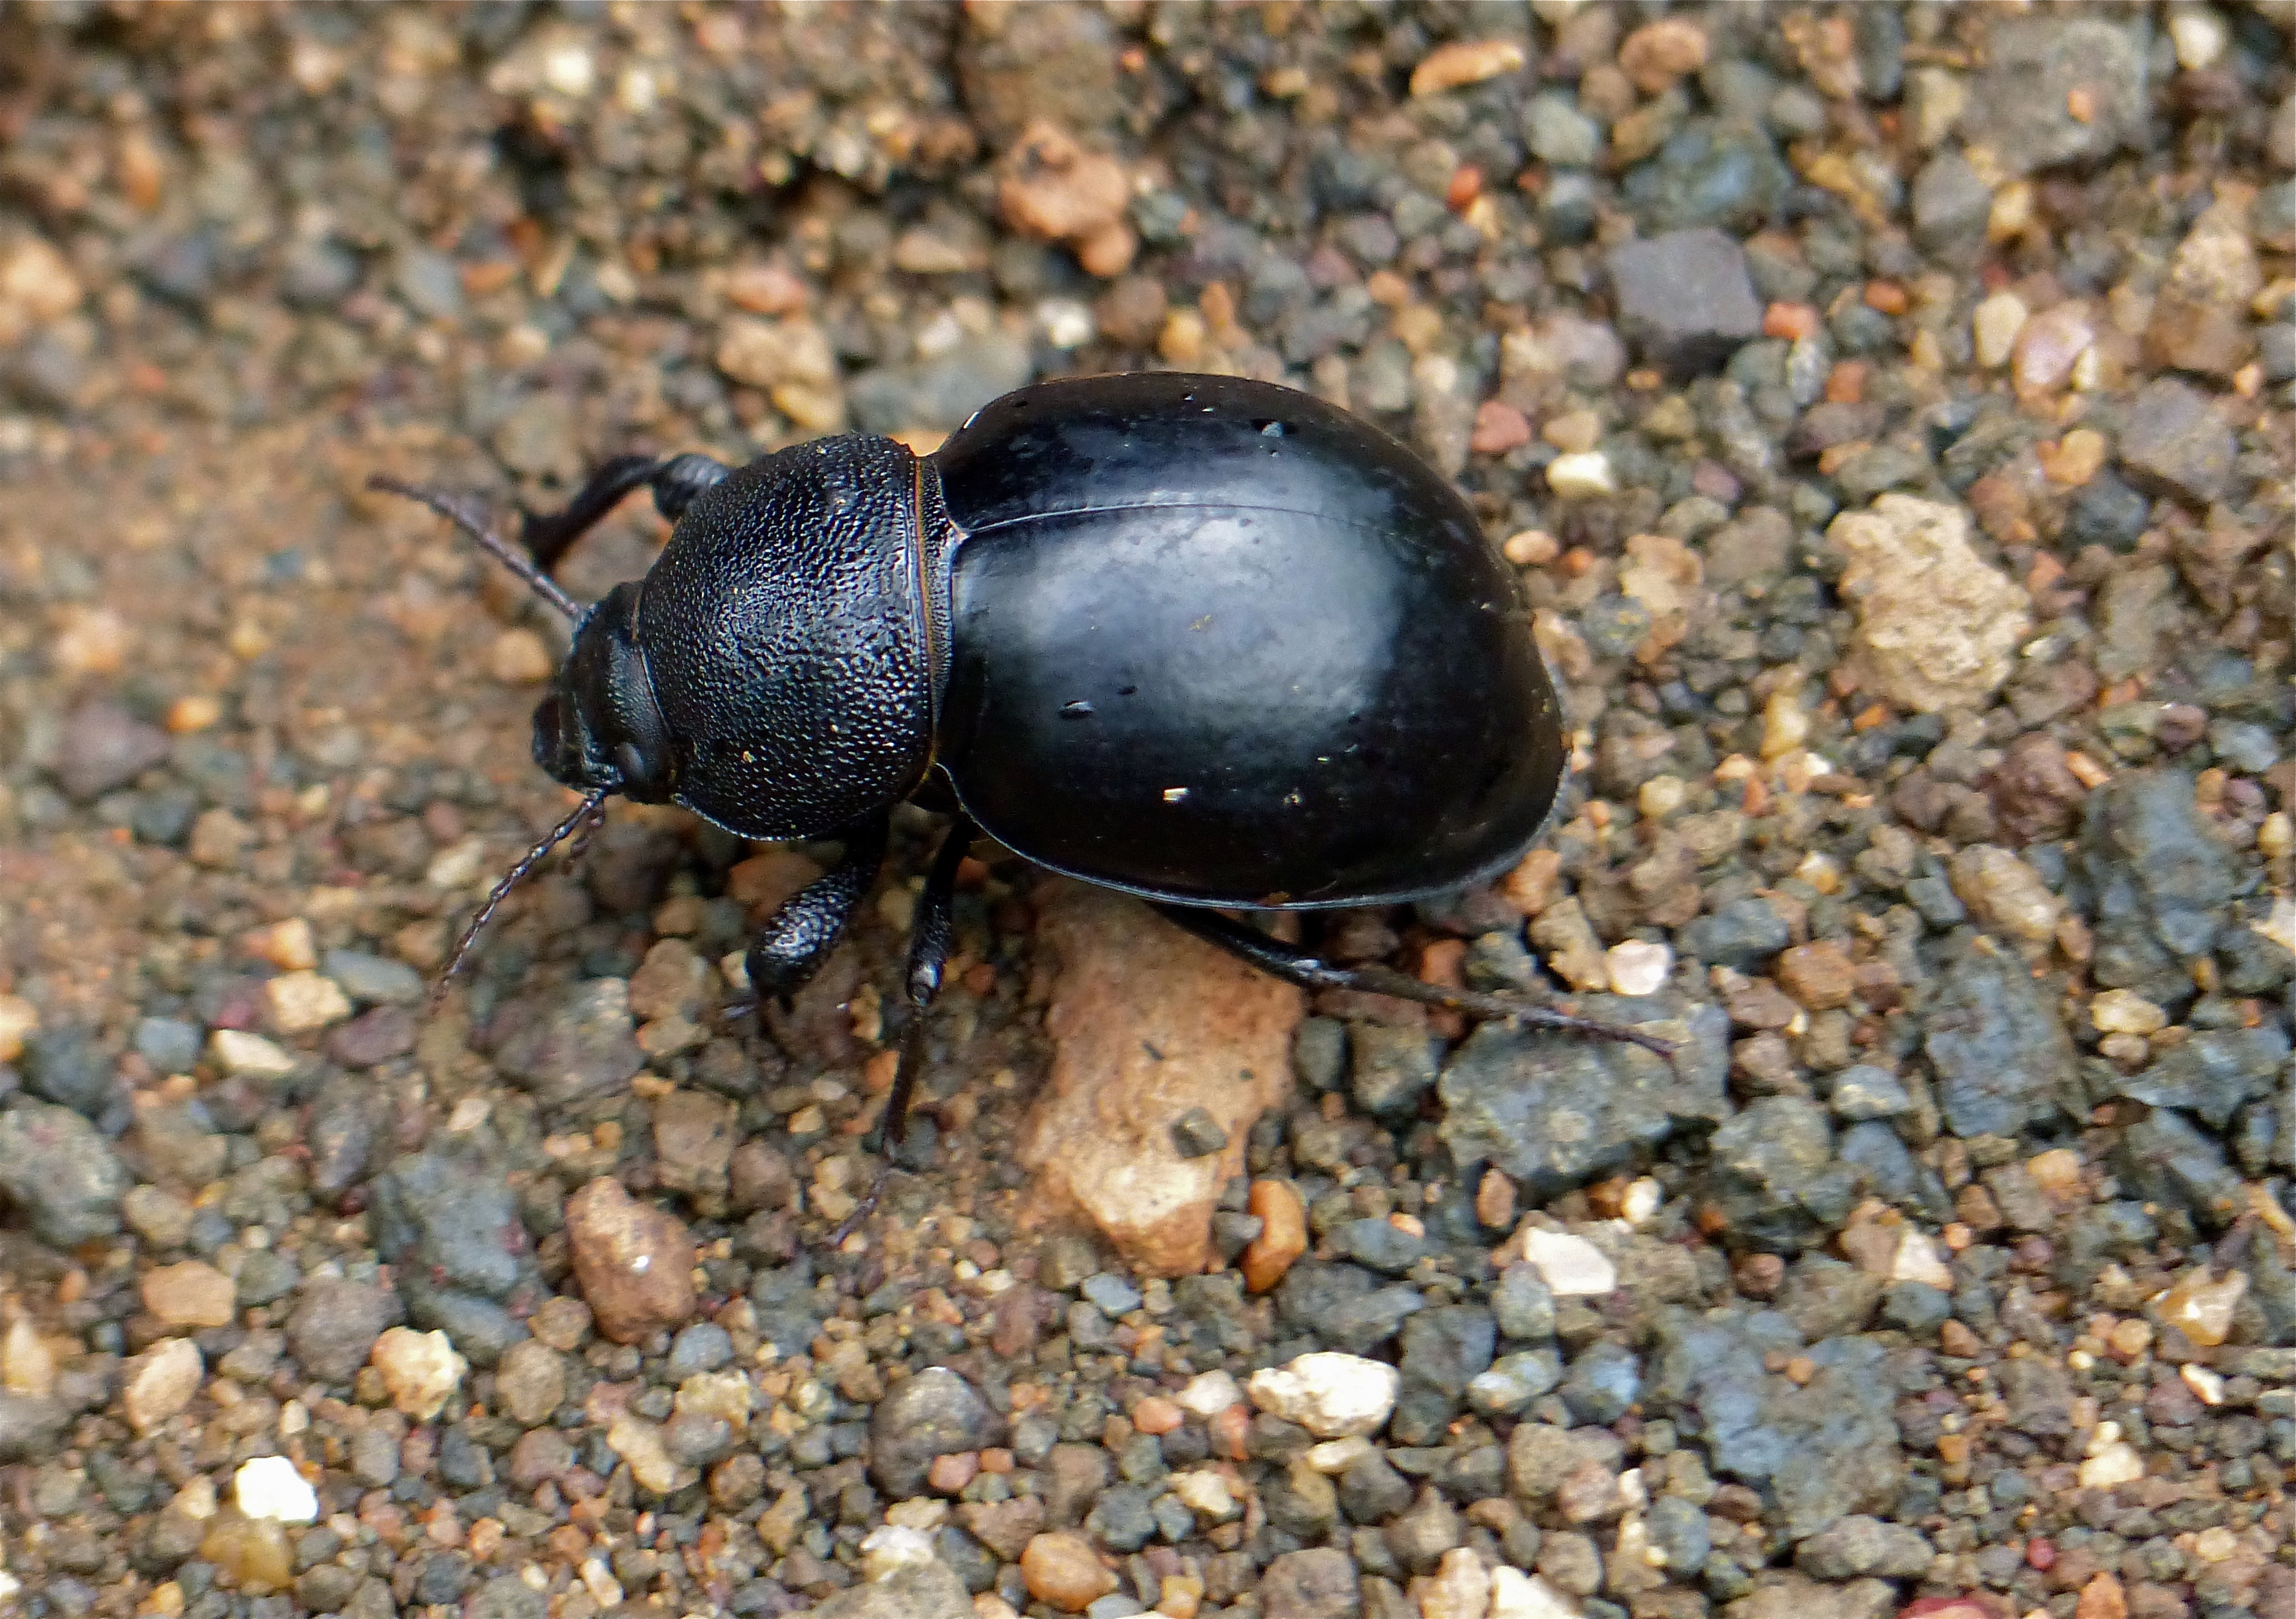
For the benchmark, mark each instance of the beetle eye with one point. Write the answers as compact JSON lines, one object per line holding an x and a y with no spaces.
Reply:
{"x":632,"y":764}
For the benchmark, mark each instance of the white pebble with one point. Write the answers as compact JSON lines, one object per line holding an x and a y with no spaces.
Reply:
{"x":1994,"y":327}
{"x":887,"y":1549}
{"x":1516,"y":1595}
{"x":244,"y":1056}
{"x":1582,"y":476}
{"x":1570,"y":1266}
{"x":1205,"y":1493}
{"x":1638,"y":966}
{"x":421,"y":1370}
{"x":1067,"y":324}
{"x":2207,"y":1387}
{"x":1208,"y":1393}
{"x":1330,"y":1394}
{"x":2111,"y":1466}
{"x":1336,"y":1456}
{"x":1642,"y":1200}
{"x":2200,"y":36}
{"x":270,"y":1487}
{"x":1917,"y":1260}
{"x":300,"y":1002}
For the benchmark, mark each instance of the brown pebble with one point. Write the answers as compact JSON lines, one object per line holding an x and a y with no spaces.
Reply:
{"x":634,"y":1262}
{"x":1063,"y":1570}
{"x":1957,"y":1341}
{"x":1658,"y":53}
{"x":1465,"y":61}
{"x":1283,"y":1234}
{"x":1053,"y":189}
{"x":951,"y":1472}
{"x":1758,"y":1275}
{"x":1820,"y":976}
{"x":1499,"y":427}
{"x":2102,"y":1598}
{"x":252,"y":1552}
{"x":561,"y":1322}
{"x":1495,"y":1201}
{"x":1156,"y":1414}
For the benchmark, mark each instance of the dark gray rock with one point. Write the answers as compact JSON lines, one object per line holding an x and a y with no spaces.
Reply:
{"x":1825,"y":1297}
{"x":1772,"y":1175}
{"x":31,"y":1425}
{"x":2022,"y":106}
{"x":1121,"y":1519}
{"x":1196,"y":1134}
{"x":102,"y":746}
{"x":1719,"y":172}
{"x":1447,"y":1347}
{"x":2165,"y":1159}
{"x":2174,"y":442}
{"x":61,"y":1174}
{"x":934,"y":1413}
{"x":2161,"y":879}
{"x":1603,"y":1382}
{"x":335,"y":1324}
{"x":2000,"y":1052}
{"x":1685,"y":300}
{"x":1858,"y":1546}
{"x":2213,"y":1072}
{"x":1826,"y":1449}
{"x":1741,"y":935}
{"x":1951,"y":203}
{"x":69,"y":1069}
{"x":1392,"y":1067}
{"x":1344,"y":1305}
{"x":168,"y":1044}
{"x":1863,"y":1091}
{"x":449,"y":1221}
{"x":1554,"y":1111}
{"x":1524,"y":1304}
{"x":1679,"y":1532}
{"x":1319,"y":1052}
{"x":1372,"y":1491}
{"x":1381,"y":1247}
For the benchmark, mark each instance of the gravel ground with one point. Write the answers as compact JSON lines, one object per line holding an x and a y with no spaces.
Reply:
{"x":1889,"y":409}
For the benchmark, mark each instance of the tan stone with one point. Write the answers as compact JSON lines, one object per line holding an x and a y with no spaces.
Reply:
{"x":161,"y":1382}
{"x":189,"y":1294}
{"x":1936,"y":629}
{"x":1064,"y":1570}
{"x":1054,"y":189}
{"x":1147,"y":1023}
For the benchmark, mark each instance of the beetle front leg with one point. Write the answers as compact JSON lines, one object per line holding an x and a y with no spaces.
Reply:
{"x":674,"y":482}
{"x":930,"y":938}
{"x":1295,"y":967}
{"x":789,"y":949}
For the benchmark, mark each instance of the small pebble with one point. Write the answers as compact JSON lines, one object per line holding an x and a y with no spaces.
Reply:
{"x":1570,"y":1266}
{"x":272,"y":1487}
{"x":421,"y":1370}
{"x":1064,"y":1570}
{"x":1328,"y":1394}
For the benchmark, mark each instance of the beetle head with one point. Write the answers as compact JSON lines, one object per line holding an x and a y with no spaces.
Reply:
{"x":600,"y":729}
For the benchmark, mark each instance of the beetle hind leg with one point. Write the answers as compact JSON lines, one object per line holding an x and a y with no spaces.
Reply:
{"x":796,"y":940}
{"x":930,"y":939}
{"x":1296,"y":966}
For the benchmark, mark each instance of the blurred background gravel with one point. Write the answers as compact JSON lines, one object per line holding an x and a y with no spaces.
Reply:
{"x":1888,"y":406}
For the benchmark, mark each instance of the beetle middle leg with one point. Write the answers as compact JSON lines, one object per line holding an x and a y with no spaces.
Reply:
{"x":1295,"y":967}
{"x":674,"y":482}
{"x":930,"y":936}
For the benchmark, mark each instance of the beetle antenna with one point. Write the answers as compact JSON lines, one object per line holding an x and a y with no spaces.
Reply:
{"x":466,"y":514}
{"x":591,"y":809}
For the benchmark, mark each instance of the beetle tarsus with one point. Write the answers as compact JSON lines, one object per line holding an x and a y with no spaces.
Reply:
{"x":1294,"y":966}
{"x":931,"y":936}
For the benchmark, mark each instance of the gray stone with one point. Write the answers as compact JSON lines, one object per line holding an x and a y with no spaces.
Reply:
{"x":1679,"y":1532}
{"x":1824,"y":1297}
{"x":30,"y":1426}
{"x":1196,"y":1134}
{"x":449,"y":1221}
{"x":102,"y":746}
{"x":1379,"y":1244}
{"x":1741,"y":935}
{"x":1603,"y":1383}
{"x":2165,"y":1159}
{"x":2212,"y":1073}
{"x":1684,"y":300}
{"x":2175,"y":442}
{"x":1393,"y":1065}
{"x":2000,"y":1052}
{"x":918,"y":1590}
{"x":57,"y":1169}
{"x":934,"y":1413}
{"x":1827,"y":1449}
{"x":1523,"y":1304}
{"x":1772,"y":1176}
{"x":1557,"y":132}
{"x":1319,"y":1583}
{"x":2161,"y":878}
{"x":1863,"y":1091}
{"x":1712,"y":172}
{"x":1554,"y":1111}
{"x":69,"y":1069}
{"x":1859,"y":1545}
{"x":580,"y":1045}
{"x":374,"y":980}
{"x":1319,"y":1051}
{"x":2023,"y":107}
{"x":942,"y":391}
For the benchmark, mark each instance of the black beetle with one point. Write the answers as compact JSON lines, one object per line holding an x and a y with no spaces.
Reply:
{"x":1210,"y":641}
